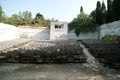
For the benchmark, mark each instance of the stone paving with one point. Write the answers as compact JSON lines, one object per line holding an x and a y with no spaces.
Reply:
{"x":72,"y":71}
{"x":50,"y":72}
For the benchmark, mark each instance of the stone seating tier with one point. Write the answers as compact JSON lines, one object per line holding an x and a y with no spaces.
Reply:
{"x":46,"y":52}
{"x":108,"y":53}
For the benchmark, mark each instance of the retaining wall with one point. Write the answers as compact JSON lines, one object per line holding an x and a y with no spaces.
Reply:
{"x":90,"y":35}
{"x":110,"y":28}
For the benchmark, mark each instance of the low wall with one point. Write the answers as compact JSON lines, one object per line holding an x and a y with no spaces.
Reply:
{"x":43,"y":34}
{"x":110,"y":28}
{"x":8,"y":32}
{"x":90,"y":35}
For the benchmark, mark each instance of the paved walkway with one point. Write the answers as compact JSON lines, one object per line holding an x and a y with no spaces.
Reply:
{"x":47,"y":72}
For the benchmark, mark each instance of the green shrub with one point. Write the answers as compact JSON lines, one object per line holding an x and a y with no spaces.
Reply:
{"x":110,"y":38}
{"x":23,"y":36}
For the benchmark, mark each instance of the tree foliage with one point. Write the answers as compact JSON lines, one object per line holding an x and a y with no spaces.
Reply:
{"x":81,"y":9}
{"x":103,"y":12}
{"x":99,"y":13}
{"x":113,"y":10}
{"x":109,"y":15}
{"x":89,"y":23}
{"x":1,"y":14}
{"x":14,"y":20}
{"x":40,"y":21}
{"x":24,"y":19}
{"x":116,"y":9}
{"x":83,"y":23}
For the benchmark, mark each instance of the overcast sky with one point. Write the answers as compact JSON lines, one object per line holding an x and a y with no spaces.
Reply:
{"x":63,"y":10}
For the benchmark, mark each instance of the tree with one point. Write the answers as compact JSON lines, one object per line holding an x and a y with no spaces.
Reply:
{"x":110,"y":16}
{"x":103,"y":12}
{"x":93,"y":15}
{"x":83,"y":23}
{"x":116,"y":9}
{"x":25,"y":18}
{"x":39,"y":16}
{"x":109,"y":5}
{"x":14,"y":20}
{"x":81,"y":9}
{"x":40,"y":21}
{"x":1,"y":14}
{"x":98,"y":13}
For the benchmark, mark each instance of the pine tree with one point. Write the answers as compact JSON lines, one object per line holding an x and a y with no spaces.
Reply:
{"x":116,"y":9}
{"x":110,"y":17}
{"x":98,"y":13}
{"x":103,"y":12}
{"x":109,"y":4}
{"x":81,"y":9}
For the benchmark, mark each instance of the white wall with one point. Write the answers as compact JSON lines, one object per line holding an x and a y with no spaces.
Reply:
{"x":91,"y":35}
{"x":35,"y":33}
{"x":8,"y":32}
{"x":110,"y":28}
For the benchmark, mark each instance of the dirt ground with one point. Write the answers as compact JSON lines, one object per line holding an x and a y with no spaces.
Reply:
{"x":11,"y":71}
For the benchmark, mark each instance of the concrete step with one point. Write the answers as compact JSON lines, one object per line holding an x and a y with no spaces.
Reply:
{"x":46,"y":52}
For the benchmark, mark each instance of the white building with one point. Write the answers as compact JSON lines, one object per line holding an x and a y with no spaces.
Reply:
{"x":59,"y":31}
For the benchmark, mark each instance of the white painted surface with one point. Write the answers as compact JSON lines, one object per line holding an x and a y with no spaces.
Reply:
{"x":59,"y":33}
{"x":43,"y":34}
{"x":91,"y":35}
{"x":8,"y":32}
{"x":110,"y":28}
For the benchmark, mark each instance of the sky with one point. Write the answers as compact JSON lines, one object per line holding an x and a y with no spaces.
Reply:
{"x":63,"y":10}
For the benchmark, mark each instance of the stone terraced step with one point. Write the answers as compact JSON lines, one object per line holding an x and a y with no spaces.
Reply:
{"x":46,"y":52}
{"x":108,"y":53}
{"x":5,"y":45}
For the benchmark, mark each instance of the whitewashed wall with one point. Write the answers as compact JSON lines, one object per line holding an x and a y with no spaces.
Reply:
{"x":110,"y":28}
{"x":35,"y":33}
{"x":8,"y":32}
{"x":91,"y":35}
